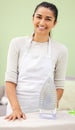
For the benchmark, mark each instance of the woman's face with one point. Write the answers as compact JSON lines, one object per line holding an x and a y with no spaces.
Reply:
{"x":43,"y":21}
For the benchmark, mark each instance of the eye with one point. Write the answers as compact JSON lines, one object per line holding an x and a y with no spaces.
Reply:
{"x":48,"y":19}
{"x":39,"y":17}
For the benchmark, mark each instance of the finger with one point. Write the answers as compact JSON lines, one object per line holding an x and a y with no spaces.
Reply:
{"x":7,"y":117}
{"x":23,"y":116}
{"x":10,"y":117}
{"x":19,"y":116}
{"x":14,"y":118}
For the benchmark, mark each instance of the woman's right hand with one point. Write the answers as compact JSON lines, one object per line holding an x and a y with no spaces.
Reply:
{"x":11,"y":94}
{"x":16,"y":114}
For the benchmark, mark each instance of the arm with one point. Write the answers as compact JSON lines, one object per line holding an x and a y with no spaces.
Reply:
{"x":11,"y":94}
{"x":59,"y":95}
{"x":11,"y":80}
{"x":60,"y":72}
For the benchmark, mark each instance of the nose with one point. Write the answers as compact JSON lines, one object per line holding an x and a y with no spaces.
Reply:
{"x":42,"y":22}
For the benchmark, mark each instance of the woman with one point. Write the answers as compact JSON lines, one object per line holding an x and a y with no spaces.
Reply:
{"x":31,"y":60}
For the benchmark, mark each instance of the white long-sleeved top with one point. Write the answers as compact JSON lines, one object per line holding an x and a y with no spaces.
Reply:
{"x":17,"y":49}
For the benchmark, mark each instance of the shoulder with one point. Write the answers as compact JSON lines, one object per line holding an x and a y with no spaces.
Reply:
{"x":59,"y":48}
{"x":19,"y":42}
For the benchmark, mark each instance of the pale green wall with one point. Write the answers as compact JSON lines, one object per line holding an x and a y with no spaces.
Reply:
{"x":16,"y":20}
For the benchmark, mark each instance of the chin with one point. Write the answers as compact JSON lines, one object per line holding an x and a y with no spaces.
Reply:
{"x":41,"y":32}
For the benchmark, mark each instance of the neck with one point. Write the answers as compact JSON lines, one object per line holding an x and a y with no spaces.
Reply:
{"x":38,"y":38}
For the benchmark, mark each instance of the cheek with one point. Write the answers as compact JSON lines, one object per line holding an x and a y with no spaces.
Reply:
{"x":34,"y":22}
{"x":51,"y":25}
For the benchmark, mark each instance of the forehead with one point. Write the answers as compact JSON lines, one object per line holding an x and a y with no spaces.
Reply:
{"x":44,"y":11}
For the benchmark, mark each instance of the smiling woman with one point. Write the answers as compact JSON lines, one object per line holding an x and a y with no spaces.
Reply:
{"x":31,"y":61}
{"x":43,"y":21}
{"x":45,"y":18}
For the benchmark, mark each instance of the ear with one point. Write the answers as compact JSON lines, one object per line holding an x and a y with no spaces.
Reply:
{"x":32,"y":18}
{"x":54,"y":24}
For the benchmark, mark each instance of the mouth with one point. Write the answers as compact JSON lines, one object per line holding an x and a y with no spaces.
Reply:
{"x":41,"y":28}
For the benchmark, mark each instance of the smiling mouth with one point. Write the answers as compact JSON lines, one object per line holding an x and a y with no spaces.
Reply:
{"x":41,"y":28}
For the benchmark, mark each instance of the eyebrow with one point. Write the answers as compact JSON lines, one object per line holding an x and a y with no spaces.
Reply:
{"x":49,"y":17}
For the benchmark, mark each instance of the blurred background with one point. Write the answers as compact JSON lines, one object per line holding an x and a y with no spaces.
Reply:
{"x":16,"y":20}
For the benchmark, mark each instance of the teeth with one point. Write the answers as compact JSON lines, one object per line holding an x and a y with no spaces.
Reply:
{"x":40,"y":27}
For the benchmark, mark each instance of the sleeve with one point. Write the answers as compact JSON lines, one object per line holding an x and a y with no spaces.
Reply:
{"x":12,"y":63}
{"x":61,"y":68}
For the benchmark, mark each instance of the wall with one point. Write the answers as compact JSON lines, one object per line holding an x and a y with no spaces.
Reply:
{"x":16,"y":20}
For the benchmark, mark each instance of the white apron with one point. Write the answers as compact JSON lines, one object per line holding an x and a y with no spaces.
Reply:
{"x":33,"y":73}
